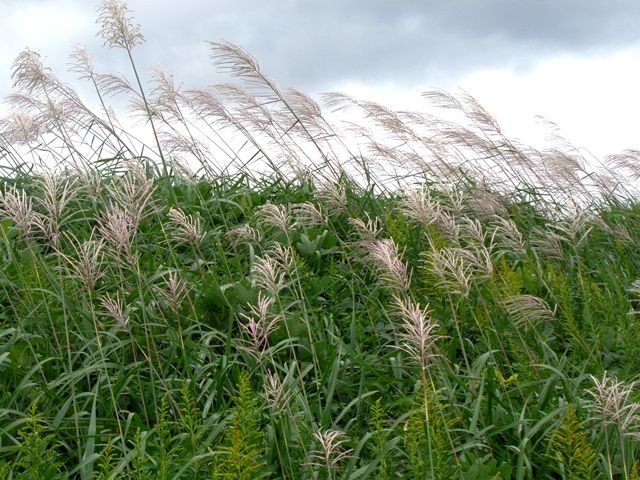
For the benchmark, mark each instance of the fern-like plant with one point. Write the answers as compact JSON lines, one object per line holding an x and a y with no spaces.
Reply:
{"x":38,"y":458}
{"x":428,"y":444}
{"x":243,"y":449}
{"x":378,"y":420}
{"x":572,"y":455}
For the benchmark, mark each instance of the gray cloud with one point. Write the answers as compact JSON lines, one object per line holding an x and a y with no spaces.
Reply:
{"x":311,"y":43}
{"x":316,"y":44}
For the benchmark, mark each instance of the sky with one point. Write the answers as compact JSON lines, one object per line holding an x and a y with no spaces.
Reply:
{"x":573,"y":62}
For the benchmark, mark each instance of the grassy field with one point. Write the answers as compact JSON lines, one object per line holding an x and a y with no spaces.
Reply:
{"x":257,"y":293}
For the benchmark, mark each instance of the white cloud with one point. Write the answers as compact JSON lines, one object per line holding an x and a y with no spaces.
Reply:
{"x":595,"y":101}
{"x":50,"y":27}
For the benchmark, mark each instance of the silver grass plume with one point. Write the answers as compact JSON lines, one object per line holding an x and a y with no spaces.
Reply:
{"x":90,"y":179}
{"x":449,"y":226}
{"x":134,"y":192}
{"x":331,"y":452}
{"x":117,"y":28}
{"x":484,"y":204}
{"x":634,"y":290}
{"x":258,"y":325}
{"x":185,"y":228}
{"x":173,"y":291}
{"x":118,"y":228}
{"x":274,"y":216}
{"x":612,"y":405}
{"x":506,"y":231}
{"x":242,"y":233}
{"x":527,"y":309}
{"x":21,"y":128}
{"x":548,"y":243}
{"x":333,"y":195}
{"x":421,"y":207}
{"x":268,"y":274}
{"x":114,"y":308}
{"x":386,"y":256}
{"x":283,"y":254}
{"x":472,"y":229}
{"x":456,"y":200}
{"x":308,"y":215}
{"x":16,"y":206}
{"x":29,"y":74}
{"x":86,"y":263}
{"x":454,"y":269}
{"x":367,"y":230}
{"x":56,"y":192}
{"x":276,"y":392}
{"x":418,"y":338}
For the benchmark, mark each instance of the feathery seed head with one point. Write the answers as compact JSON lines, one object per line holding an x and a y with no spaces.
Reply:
{"x":275,"y":392}
{"x":114,"y":308}
{"x":29,"y":73}
{"x":611,"y":404}
{"x":527,"y":309}
{"x":449,"y":226}
{"x":85,"y":264}
{"x":485,"y":204}
{"x":284,"y":256}
{"x":16,"y":206}
{"x":268,"y":274}
{"x":385,"y":255}
{"x":116,"y":25}
{"x":308,"y":215}
{"x":56,"y":192}
{"x":507,"y":232}
{"x":548,"y":243}
{"x":82,"y":64}
{"x":90,"y":180}
{"x":173,"y":291}
{"x":242,"y":233}
{"x":21,"y":128}
{"x":454,"y":269}
{"x":333,"y":195}
{"x":260,"y":322}
{"x":274,"y":216}
{"x":368,"y":230}
{"x":167,"y":97}
{"x":118,"y":228}
{"x":418,"y":338}
{"x":134,"y":192}
{"x":473,"y":230}
{"x":331,"y":452}
{"x":456,"y":199}
{"x":634,"y":288}
{"x":185,"y":228}
{"x":420,"y":206}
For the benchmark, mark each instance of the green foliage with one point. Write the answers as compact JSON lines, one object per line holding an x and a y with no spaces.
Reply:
{"x":241,"y":455}
{"x":168,"y":371}
{"x":572,"y":455}
{"x":380,"y":440}
{"x":105,"y":465}
{"x":428,"y":439}
{"x":37,"y":454}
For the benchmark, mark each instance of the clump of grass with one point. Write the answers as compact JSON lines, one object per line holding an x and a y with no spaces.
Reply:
{"x":227,"y":302}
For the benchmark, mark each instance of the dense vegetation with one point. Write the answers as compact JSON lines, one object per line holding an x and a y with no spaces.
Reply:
{"x":445,"y":303}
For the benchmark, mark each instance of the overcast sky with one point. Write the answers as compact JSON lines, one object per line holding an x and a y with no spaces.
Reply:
{"x":575,"y":62}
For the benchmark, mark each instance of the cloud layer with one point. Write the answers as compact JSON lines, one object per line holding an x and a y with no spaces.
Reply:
{"x":311,"y":44}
